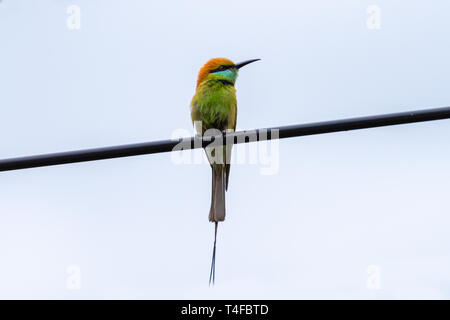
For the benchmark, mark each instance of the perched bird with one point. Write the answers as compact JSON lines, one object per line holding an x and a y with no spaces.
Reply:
{"x":214,"y":106}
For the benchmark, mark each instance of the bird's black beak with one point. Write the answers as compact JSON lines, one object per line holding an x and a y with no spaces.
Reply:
{"x":244,"y":63}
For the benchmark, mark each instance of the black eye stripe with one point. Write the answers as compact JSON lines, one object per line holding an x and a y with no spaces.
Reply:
{"x":221,"y":68}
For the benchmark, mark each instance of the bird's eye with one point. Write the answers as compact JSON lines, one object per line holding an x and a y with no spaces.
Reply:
{"x":220,"y":68}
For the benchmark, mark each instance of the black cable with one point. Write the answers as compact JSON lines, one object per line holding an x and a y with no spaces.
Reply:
{"x":236,"y":137}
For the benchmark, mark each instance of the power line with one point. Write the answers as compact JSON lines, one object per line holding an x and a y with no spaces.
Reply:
{"x":236,"y":137}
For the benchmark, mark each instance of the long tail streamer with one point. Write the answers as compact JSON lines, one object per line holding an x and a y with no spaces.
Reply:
{"x":212,"y":274}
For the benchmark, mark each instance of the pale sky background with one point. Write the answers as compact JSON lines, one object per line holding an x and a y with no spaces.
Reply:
{"x":137,"y":227}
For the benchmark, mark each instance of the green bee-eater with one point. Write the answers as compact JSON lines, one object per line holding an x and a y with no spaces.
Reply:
{"x":214,"y":107}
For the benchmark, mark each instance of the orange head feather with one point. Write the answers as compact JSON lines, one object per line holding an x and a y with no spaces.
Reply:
{"x":210,"y":66}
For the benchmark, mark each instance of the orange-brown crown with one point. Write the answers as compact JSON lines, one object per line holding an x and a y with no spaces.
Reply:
{"x":212,"y":65}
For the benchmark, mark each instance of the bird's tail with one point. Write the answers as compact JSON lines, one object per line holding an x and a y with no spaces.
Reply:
{"x":217,"y":211}
{"x":212,"y":274}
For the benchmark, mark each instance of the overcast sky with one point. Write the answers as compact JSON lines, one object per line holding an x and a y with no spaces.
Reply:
{"x":360,"y":214}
